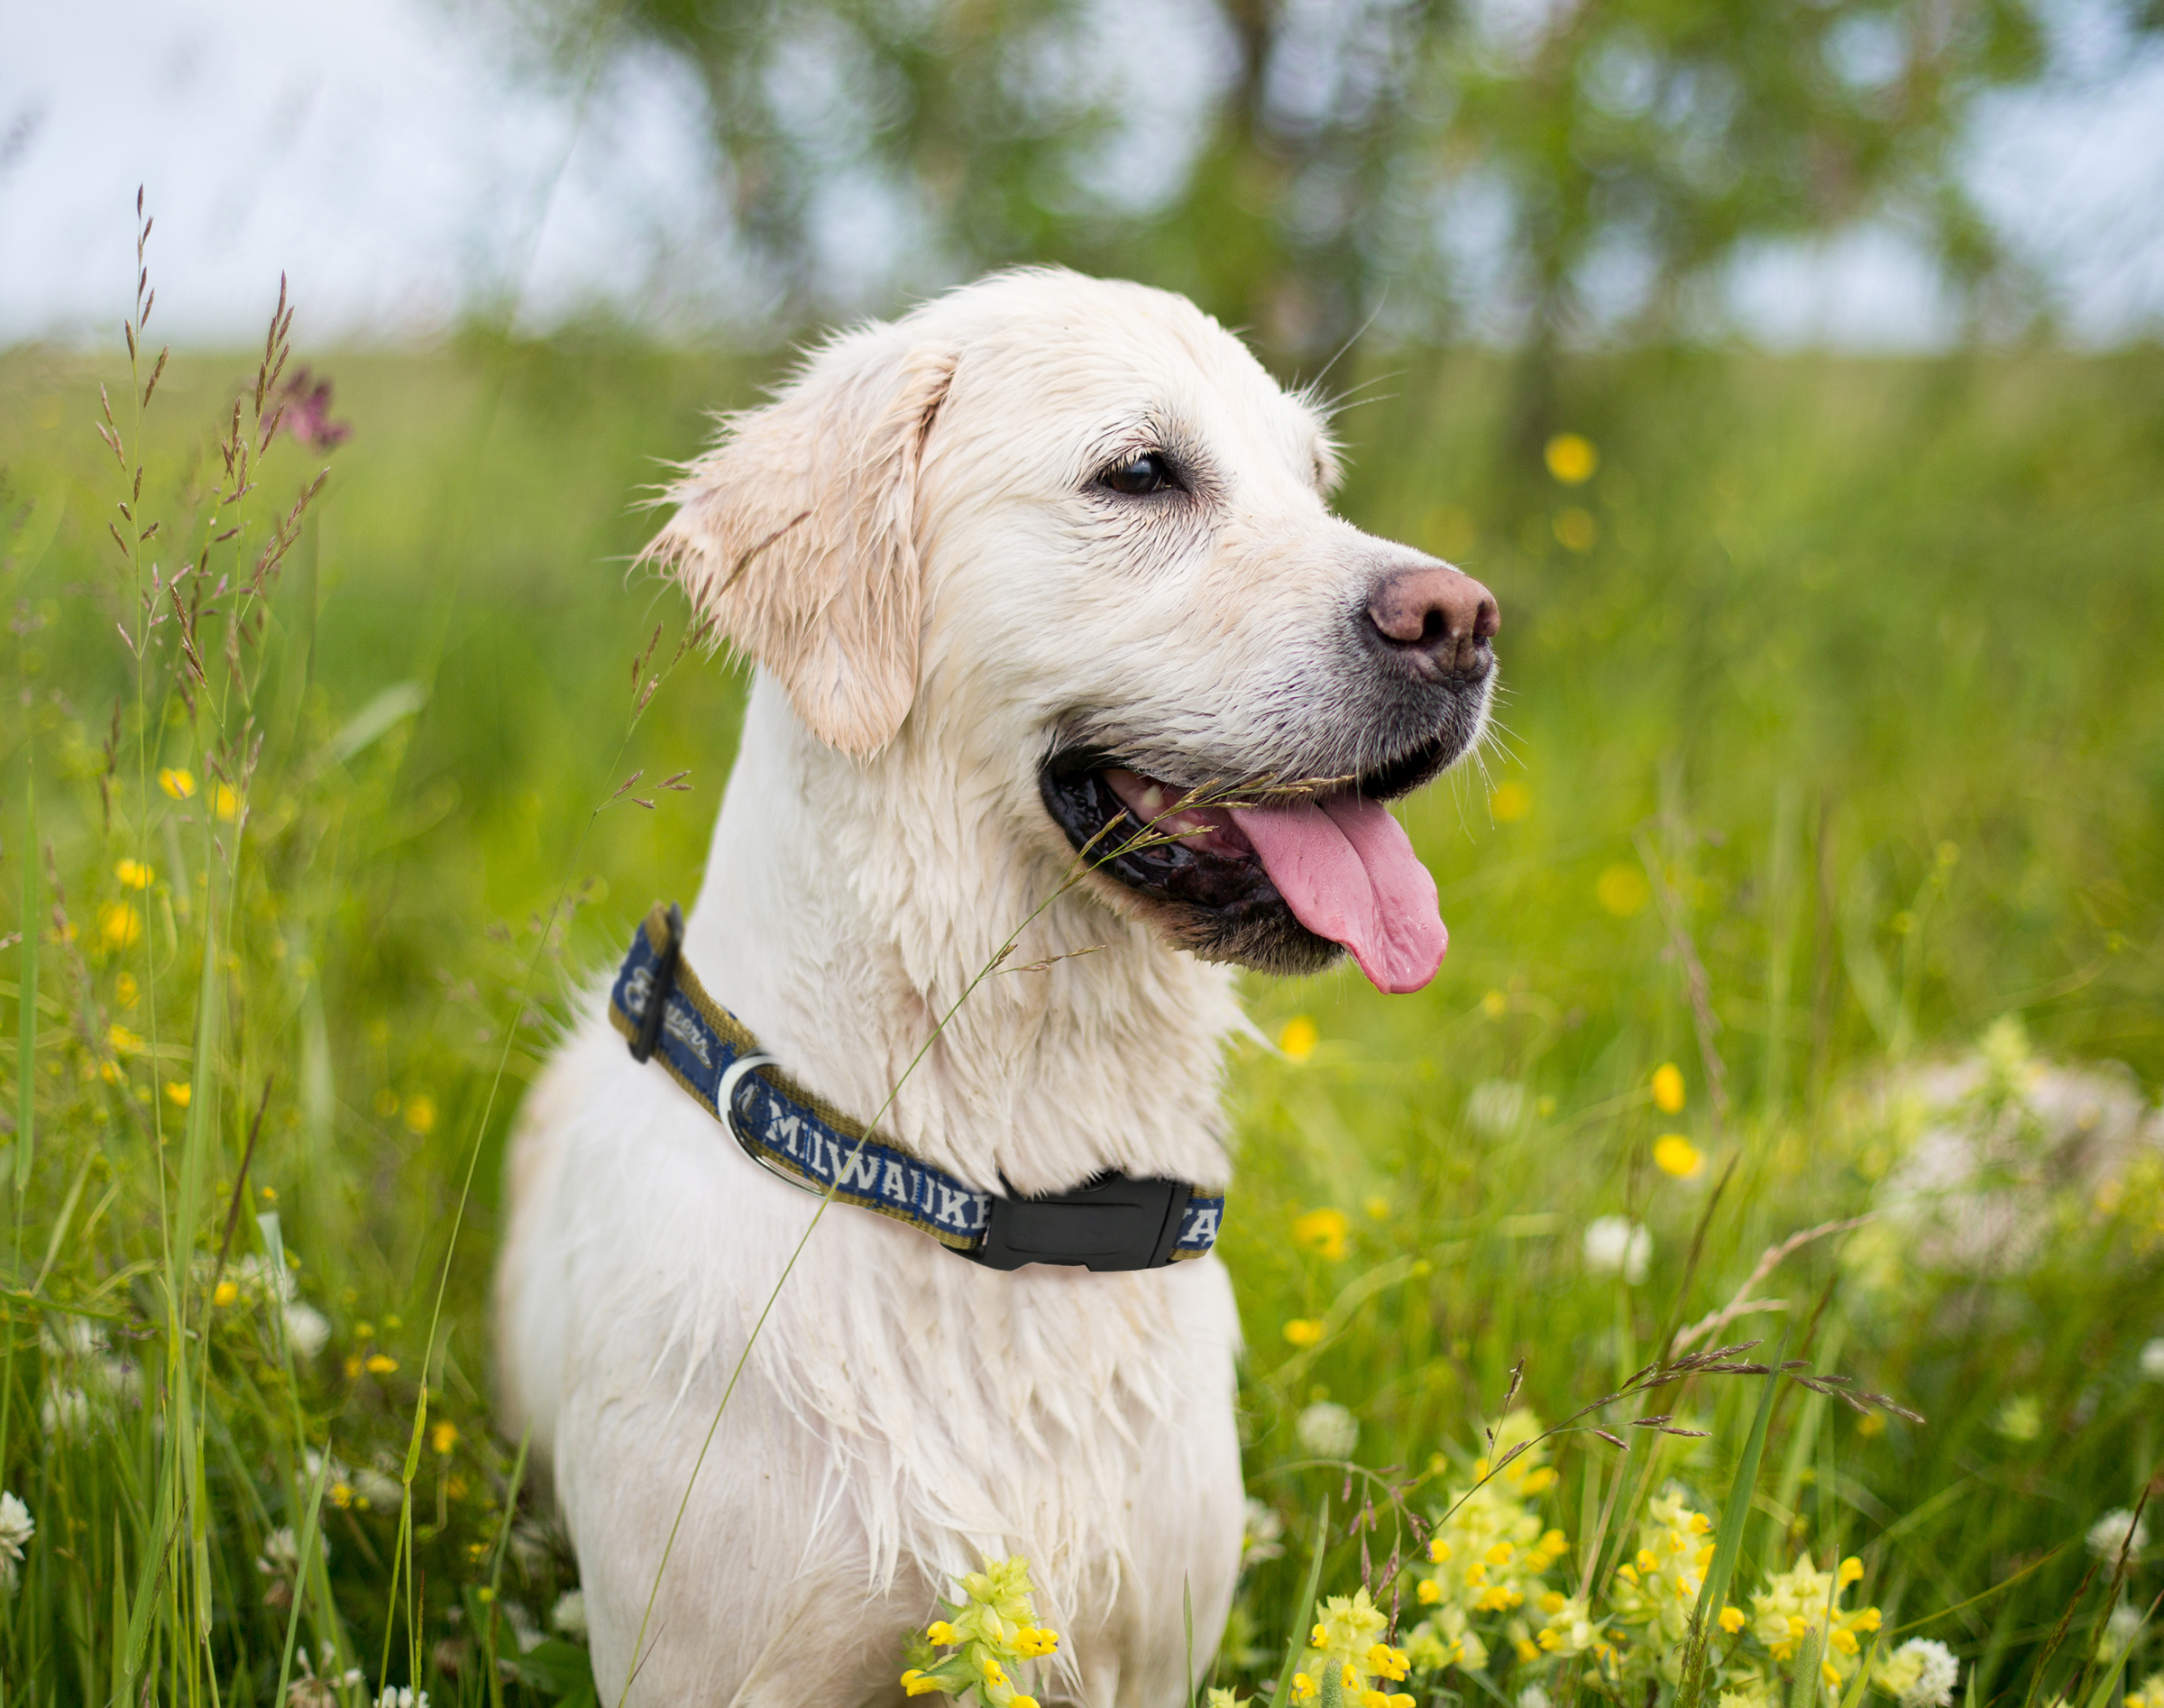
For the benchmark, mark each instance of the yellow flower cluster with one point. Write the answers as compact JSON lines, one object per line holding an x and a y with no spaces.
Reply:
{"x":994,"y":1627}
{"x":1658,"y":1586}
{"x":1804,"y":1599}
{"x":2150,"y":1694}
{"x":1491,"y":1555}
{"x":1346,"y":1649}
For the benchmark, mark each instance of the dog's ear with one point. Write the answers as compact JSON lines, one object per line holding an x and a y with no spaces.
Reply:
{"x":797,"y":533}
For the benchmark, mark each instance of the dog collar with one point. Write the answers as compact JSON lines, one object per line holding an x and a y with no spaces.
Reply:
{"x":1109,"y":1223}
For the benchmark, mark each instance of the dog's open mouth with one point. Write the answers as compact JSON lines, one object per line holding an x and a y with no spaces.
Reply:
{"x":1277,"y":877}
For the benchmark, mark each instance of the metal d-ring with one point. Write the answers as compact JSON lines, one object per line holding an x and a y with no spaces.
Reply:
{"x":725,"y":1101}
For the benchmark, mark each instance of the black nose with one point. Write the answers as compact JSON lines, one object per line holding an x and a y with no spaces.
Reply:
{"x":1436,"y":618}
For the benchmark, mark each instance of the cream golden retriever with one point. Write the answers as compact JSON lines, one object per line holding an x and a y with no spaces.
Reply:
{"x":1027,"y":566}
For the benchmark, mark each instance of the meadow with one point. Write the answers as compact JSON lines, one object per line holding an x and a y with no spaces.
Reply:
{"x":1814,"y":885}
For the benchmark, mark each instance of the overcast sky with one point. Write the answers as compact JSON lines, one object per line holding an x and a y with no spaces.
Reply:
{"x":400,"y":164}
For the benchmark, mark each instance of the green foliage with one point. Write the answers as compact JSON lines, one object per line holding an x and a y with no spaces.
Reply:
{"x":1835,"y":737}
{"x":1615,"y":152}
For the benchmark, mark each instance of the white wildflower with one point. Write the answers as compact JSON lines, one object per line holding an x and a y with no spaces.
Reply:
{"x":64,"y":1411}
{"x":1327,"y":1431}
{"x":280,"y":1556}
{"x":2152,"y":1358}
{"x":1533,"y":1696}
{"x":1921,"y":1674}
{"x":307,"y":1329}
{"x":2117,"y":1531}
{"x":1497,"y":1107}
{"x":16,"y":1527}
{"x":402,"y":1696}
{"x":2123,"y":1626}
{"x":524,"y":1631}
{"x":1264,"y":1527}
{"x":378,"y":1488}
{"x":569,"y":1614}
{"x":1615,"y":1245}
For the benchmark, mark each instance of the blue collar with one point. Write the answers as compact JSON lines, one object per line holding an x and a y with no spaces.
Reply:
{"x":1108,"y":1223}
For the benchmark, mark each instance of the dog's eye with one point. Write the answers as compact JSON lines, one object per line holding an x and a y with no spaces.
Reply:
{"x":1138,"y":475}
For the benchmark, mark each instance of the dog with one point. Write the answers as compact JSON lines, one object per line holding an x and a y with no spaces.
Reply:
{"x":1054,"y":631}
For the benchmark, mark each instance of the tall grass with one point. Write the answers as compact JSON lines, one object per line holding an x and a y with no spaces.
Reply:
{"x":1836,"y":739}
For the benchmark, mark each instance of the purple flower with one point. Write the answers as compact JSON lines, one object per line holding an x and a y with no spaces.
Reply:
{"x":305,"y":412}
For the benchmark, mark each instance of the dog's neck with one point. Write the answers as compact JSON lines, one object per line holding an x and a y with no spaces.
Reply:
{"x":847,"y":907}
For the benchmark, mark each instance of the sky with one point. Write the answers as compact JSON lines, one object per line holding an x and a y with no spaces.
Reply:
{"x":404,"y":162}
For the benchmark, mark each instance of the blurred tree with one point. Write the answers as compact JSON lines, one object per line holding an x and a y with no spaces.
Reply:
{"x":1538,"y":167}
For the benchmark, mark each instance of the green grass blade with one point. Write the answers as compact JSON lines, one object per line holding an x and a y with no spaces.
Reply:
{"x":1728,"y":1541}
{"x":26,"y":1112}
{"x":305,"y":1560}
{"x":1304,"y":1610}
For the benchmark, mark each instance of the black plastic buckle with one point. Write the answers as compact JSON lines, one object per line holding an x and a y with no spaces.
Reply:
{"x":1113,"y":1223}
{"x":664,"y":985}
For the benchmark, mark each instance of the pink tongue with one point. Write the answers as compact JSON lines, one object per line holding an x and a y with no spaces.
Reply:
{"x":1348,"y":872}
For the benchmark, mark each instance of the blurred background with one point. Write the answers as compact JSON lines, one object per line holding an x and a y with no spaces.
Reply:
{"x":1794,"y":371}
{"x":1860,"y":173}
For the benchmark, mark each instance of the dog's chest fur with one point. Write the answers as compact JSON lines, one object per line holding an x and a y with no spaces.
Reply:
{"x":902,"y":1412}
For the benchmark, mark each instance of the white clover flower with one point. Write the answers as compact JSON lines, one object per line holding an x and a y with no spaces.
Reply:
{"x":2117,"y":1531}
{"x":1533,"y":1696}
{"x":1259,"y":1541}
{"x":280,"y":1556}
{"x":1921,"y":1674}
{"x":2122,"y":1628}
{"x":1615,"y":1245}
{"x":402,"y":1696}
{"x":307,"y":1329}
{"x":16,"y":1527}
{"x":569,"y":1614}
{"x":1327,"y":1431}
{"x":2152,"y":1359}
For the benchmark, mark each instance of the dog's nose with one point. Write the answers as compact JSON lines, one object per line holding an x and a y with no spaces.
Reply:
{"x":1438,"y":618}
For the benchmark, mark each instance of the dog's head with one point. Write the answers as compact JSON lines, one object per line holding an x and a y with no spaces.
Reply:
{"x":1075,"y":533}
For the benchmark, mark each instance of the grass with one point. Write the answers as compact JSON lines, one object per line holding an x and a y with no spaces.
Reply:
{"x":1835,"y":745}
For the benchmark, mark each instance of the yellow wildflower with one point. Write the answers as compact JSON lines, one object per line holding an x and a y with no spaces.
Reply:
{"x":176,"y":783}
{"x":1621,"y":890}
{"x":1304,"y":1688}
{"x":126,"y":1043}
{"x":917,"y":1683}
{"x":1668,"y":1088}
{"x":1510,"y":802}
{"x":1674,"y":1154}
{"x":223,"y":1294}
{"x":1796,"y":1602}
{"x":1322,"y":1232}
{"x":941,"y":1633}
{"x":1731,"y":1620}
{"x":1576,"y":529}
{"x":1304,"y":1331}
{"x":125,"y":991}
{"x":135,"y":875}
{"x":180,"y":1093}
{"x":420,"y":1114}
{"x":444,"y":1437}
{"x":1571,"y":458}
{"x":378,"y":1363}
{"x":227,"y":802}
{"x":1299,"y":1038}
{"x":119,"y":925}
